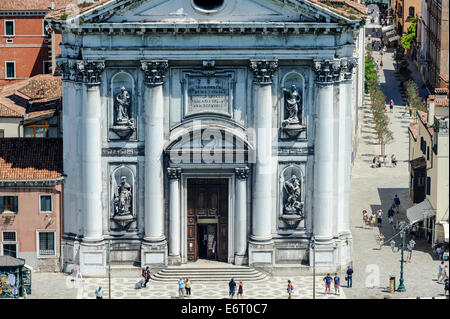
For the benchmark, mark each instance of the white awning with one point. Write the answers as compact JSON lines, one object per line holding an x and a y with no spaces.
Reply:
{"x":397,"y":37}
{"x":420,"y":212}
{"x":388,"y":28}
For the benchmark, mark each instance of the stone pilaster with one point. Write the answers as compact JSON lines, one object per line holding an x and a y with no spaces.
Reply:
{"x":261,"y":246}
{"x":240,"y":228}
{"x":155,"y":239}
{"x":174,"y":175}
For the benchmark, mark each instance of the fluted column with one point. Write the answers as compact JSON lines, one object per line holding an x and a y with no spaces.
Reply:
{"x":346,"y":158}
{"x":154,"y":141}
{"x":241,"y":211}
{"x":323,"y":158}
{"x":90,"y":72}
{"x":174,"y":175}
{"x":262,"y":190}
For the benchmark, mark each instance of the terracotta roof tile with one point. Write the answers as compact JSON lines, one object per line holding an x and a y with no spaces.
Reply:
{"x":441,"y":91}
{"x":441,"y":102}
{"x":24,"y":159}
{"x":35,"y":91}
{"x":413,"y":129}
{"x":7,"y":112}
{"x":17,"y":5}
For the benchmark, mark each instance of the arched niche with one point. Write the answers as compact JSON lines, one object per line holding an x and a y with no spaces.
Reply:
{"x":119,"y":124}
{"x":122,"y":178}
{"x":292,"y":196}
{"x":291,"y":79}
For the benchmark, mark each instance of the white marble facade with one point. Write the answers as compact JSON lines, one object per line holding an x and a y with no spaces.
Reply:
{"x":197,"y":76}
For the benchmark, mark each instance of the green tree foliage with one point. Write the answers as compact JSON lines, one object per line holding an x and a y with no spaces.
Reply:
{"x":409,"y":37}
{"x":412,"y":93}
{"x":377,"y":103}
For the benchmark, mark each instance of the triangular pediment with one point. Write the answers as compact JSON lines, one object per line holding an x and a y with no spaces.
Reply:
{"x":187,"y":11}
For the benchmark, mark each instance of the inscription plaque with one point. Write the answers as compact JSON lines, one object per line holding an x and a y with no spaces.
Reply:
{"x":208,"y":94}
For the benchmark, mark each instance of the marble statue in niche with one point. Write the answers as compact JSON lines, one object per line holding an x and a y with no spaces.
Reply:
{"x":123,"y":198}
{"x":293,"y":189}
{"x":292,"y":123}
{"x":293,"y":105}
{"x":124,"y":124}
{"x":291,"y":197}
{"x":123,"y":204}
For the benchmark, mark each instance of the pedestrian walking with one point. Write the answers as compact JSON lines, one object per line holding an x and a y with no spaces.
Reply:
{"x":232,"y":286}
{"x":146,"y":276}
{"x":337,"y":283}
{"x":99,"y":292}
{"x":441,"y":272}
{"x":327,"y":279}
{"x":391,"y":105}
{"x":391,"y":214}
{"x":240,"y":294}
{"x":410,"y":248}
{"x":373,"y":219}
{"x":410,"y":110}
{"x":79,"y":272}
{"x":379,"y":217}
{"x":290,"y":289}
{"x":393,"y":160}
{"x":365,"y":218}
{"x":381,"y":61}
{"x":181,"y":288}
{"x":381,"y":240}
{"x":397,"y":202}
{"x":441,"y":252}
{"x":446,"y":288}
{"x":392,"y":245}
{"x":349,"y":277}
{"x":446,"y":272}
{"x":187,"y":286}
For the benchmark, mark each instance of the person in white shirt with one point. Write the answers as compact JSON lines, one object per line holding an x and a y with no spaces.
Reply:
{"x":441,"y":272}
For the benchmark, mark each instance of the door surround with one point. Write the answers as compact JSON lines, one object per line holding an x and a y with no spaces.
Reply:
{"x":211,"y":174}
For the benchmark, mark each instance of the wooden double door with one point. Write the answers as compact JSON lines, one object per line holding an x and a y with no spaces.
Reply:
{"x":207,"y":219}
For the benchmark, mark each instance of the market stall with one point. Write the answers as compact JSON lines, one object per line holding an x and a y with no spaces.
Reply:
{"x":15,"y":277}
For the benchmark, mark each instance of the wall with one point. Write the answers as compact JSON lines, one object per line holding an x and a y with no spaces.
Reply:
{"x":29,"y":219}
{"x":10,"y":126}
{"x":29,"y":49}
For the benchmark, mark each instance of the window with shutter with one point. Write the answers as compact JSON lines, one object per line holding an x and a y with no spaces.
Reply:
{"x":428,"y":185}
{"x":46,"y":243}
{"x":46,"y":203}
{"x":9,"y":204}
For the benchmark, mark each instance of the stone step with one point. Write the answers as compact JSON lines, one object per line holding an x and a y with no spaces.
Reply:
{"x":213,"y":273}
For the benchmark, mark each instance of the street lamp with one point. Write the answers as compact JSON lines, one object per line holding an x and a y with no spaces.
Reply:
{"x":313,"y":247}
{"x":401,"y":286}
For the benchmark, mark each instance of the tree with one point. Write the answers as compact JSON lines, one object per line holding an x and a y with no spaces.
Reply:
{"x":409,"y":37}
{"x":412,"y":92}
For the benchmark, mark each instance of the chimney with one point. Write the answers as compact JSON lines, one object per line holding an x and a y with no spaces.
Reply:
{"x":430,"y":117}
{"x":53,"y":4}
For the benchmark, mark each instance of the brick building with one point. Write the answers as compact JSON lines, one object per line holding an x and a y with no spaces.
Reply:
{"x":31,"y":200}
{"x":26,"y":46}
{"x":434,"y":41}
{"x":404,"y":11}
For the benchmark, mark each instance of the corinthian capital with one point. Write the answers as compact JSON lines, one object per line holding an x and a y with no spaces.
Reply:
{"x":241,"y":172}
{"x":327,"y":71}
{"x":173,"y":172}
{"x":347,"y":66}
{"x":89,"y":71}
{"x":154,"y":71}
{"x":263,"y":70}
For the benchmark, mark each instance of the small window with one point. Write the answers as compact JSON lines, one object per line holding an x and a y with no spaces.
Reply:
{"x":9,"y":40}
{"x":46,"y":203}
{"x":428,"y":185}
{"x":9,"y":28}
{"x":46,"y":243}
{"x":411,"y":12}
{"x":10,"y":70}
{"x":10,"y":250}
{"x":9,"y":204}
{"x":9,"y":236}
{"x":428,"y":153}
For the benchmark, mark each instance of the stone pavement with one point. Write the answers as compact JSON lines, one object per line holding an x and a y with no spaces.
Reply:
{"x":372,"y":188}
{"x":58,"y":286}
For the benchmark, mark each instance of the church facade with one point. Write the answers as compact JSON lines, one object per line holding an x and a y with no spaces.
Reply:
{"x":209,"y":130}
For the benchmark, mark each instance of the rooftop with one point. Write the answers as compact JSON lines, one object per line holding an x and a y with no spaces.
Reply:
{"x":30,"y":159}
{"x":347,"y":8}
{"x":38,"y":5}
{"x":31,"y":97}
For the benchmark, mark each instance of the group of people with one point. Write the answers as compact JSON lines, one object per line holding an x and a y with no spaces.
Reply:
{"x":232,"y":289}
{"x":376,"y":217}
{"x":443,"y":276}
{"x":378,"y":161}
{"x":184,"y":288}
